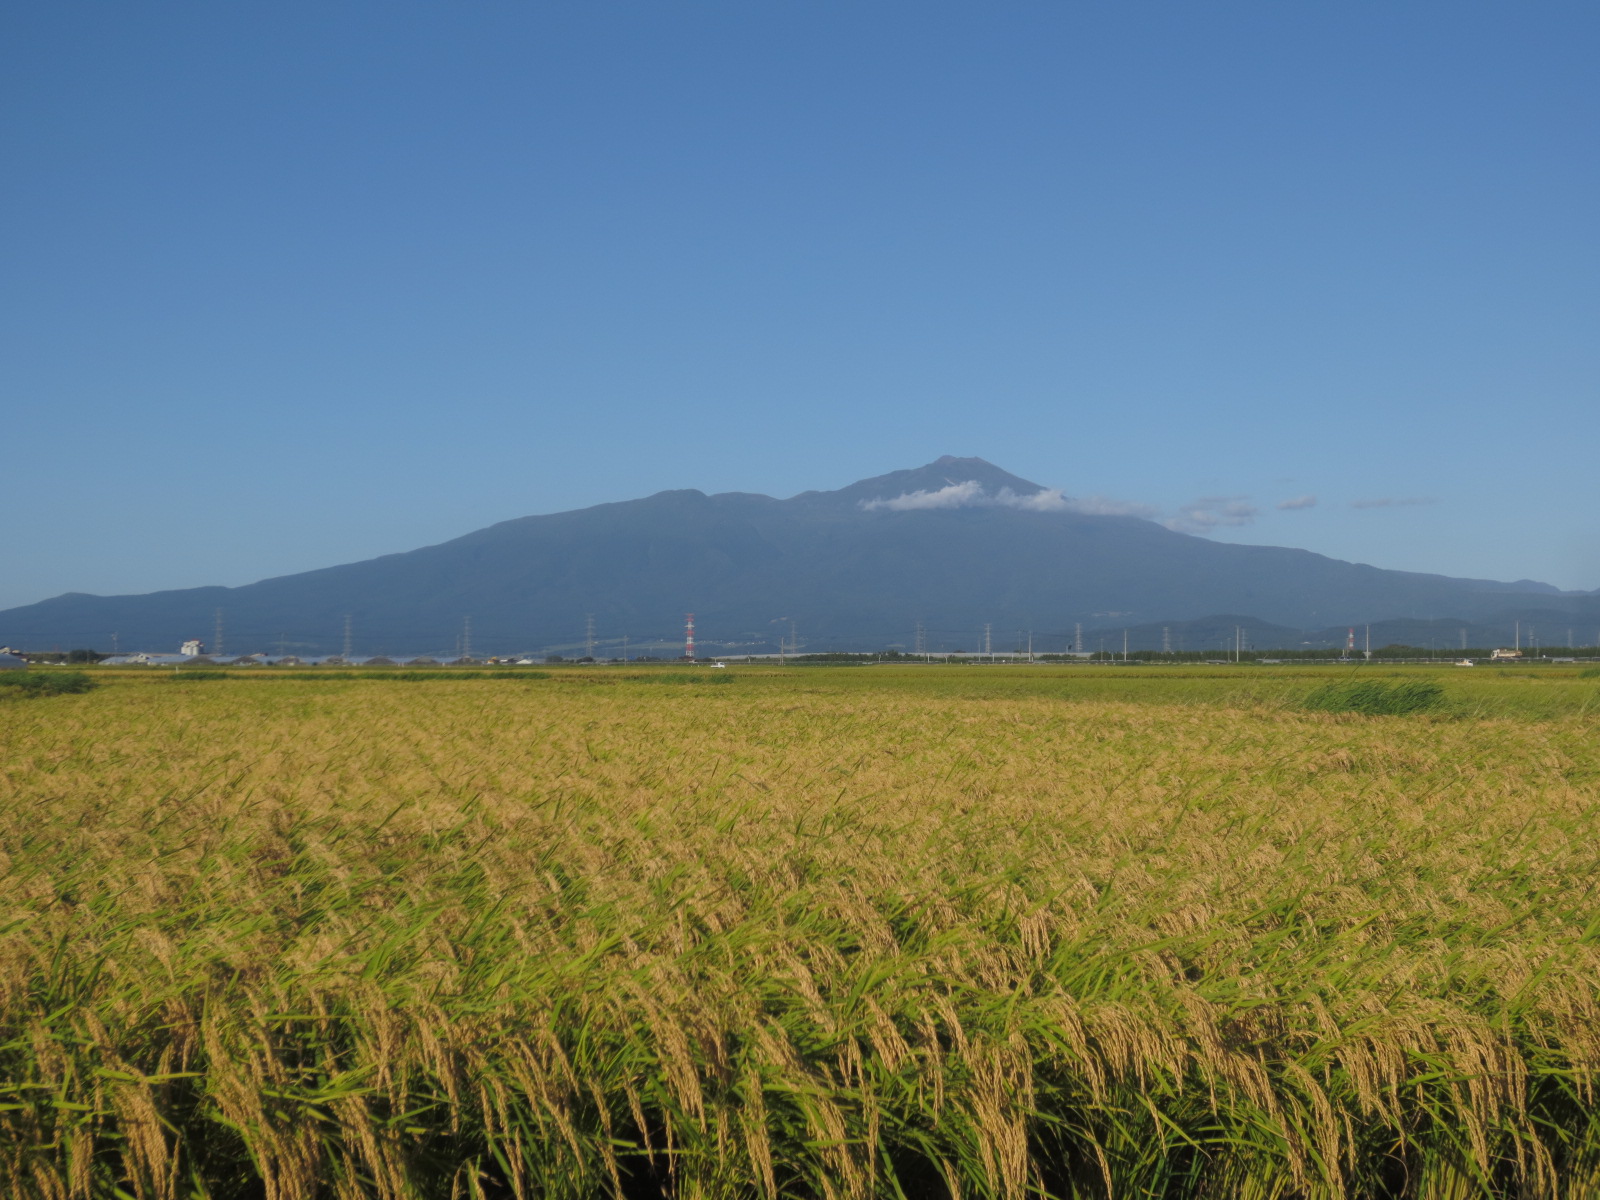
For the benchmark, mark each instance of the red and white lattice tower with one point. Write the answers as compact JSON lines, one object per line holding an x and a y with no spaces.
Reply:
{"x":688,"y":636}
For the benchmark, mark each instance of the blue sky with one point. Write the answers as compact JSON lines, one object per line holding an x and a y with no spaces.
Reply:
{"x":295,"y":284}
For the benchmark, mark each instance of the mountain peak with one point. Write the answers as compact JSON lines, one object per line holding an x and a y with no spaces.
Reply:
{"x":943,"y":472}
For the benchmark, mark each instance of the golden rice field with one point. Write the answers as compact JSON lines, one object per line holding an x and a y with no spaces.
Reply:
{"x":813,"y":933}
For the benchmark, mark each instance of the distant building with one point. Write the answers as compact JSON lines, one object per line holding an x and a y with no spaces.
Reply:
{"x":193,"y":648}
{"x":1505,"y":654}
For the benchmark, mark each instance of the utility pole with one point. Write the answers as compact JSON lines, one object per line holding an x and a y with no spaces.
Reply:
{"x":346,"y":654}
{"x":1518,"y":644}
{"x":1124,"y":645}
{"x":1369,"y":643}
{"x":1030,"y":645}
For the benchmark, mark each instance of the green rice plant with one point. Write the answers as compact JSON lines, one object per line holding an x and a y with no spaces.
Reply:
{"x":1375,"y":697}
{"x":45,"y":683}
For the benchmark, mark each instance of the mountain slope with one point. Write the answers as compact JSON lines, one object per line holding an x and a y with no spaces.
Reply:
{"x":956,"y":544}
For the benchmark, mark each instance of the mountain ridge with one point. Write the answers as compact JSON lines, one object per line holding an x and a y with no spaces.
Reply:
{"x":955,"y":544}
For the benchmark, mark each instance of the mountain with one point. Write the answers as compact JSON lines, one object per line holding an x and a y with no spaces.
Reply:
{"x":956,"y":545}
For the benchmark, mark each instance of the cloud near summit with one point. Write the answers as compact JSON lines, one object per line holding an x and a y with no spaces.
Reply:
{"x":1212,"y":512}
{"x":1202,"y":516}
{"x":970,"y":494}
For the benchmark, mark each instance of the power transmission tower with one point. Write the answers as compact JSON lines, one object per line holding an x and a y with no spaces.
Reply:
{"x":466,"y":637}
{"x":922,"y":640}
{"x":988,"y":649}
{"x":1077,"y":638}
{"x":346,"y":654}
{"x":1166,"y":639}
{"x":216,"y":640}
{"x":113,"y":643}
{"x":588,"y":635}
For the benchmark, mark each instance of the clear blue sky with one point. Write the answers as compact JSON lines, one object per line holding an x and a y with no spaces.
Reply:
{"x":292,"y":284}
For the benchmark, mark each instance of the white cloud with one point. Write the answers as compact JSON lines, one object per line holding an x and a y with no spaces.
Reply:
{"x":1199,"y":516}
{"x":1211,"y":512}
{"x":1105,"y":506}
{"x":1048,"y":500}
{"x":970,"y":494}
{"x":1393,"y":502}
{"x":957,"y":495}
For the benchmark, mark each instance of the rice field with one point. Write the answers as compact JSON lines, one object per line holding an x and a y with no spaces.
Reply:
{"x":896,"y":931}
